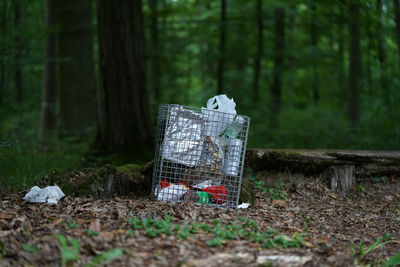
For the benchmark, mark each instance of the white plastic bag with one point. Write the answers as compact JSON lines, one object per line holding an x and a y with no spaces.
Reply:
{"x":49,"y":194}
{"x":172,"y":192}
{"x":217,"y":122}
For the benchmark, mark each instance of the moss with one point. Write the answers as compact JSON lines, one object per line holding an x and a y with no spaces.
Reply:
{"x":129,"y":169}
{"x":67,"y":188}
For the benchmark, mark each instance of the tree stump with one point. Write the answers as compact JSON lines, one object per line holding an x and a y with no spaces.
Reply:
{"x":342,"y":178}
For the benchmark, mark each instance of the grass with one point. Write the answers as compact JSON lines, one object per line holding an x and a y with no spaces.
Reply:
{"x":69,"y":249}
{"x":242,"y":228}
{"x":22,"y":163}
{"x":275,"y":192}
{"x":362,"y":251}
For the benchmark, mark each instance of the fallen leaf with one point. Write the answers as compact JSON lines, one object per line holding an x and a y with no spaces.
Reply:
{"x":95,"y":225}
{"x":279,"y":203}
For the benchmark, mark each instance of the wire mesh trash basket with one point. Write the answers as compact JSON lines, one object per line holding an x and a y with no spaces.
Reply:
{"x":199,"y":155}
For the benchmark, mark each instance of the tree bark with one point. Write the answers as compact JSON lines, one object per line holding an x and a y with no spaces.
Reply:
{"x":397,"y":20}
{"x":3,"y":27}
{"x":155,"y":50}
{"x":221,"y":56}
{"x":124,"y":106}
{"x":77,"y":89}
{"x":279,"y":50}
{"x":342,"y":178}
{"x":314,"y":162}
{"x":382,"y":54}
{"x":257,"y":64}
{"x":355,"y":64}
{"x":48,"y":117}
{"x":17,"y":55}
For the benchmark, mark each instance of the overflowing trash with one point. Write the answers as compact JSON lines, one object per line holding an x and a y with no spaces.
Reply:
{"x":49,"y":194}
{"x":200,"y":153}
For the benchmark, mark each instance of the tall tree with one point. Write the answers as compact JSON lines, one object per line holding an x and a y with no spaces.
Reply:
{"x":355,"y":63}
{"x":17,"y":53}
{"x":3,"y":27}
{"x":155,"y":50}
{"x":257,"y":62}
{"x":77,"y":90}
{"x":48,"y":118}
{"x":382,"y":53}
{"x":221,"y":55}
{"x":278,"y":58}
{"x":397,"y":20}
{"x":124,"y":109}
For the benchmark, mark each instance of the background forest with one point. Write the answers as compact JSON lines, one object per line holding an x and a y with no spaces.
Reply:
{"x":79,"y":76}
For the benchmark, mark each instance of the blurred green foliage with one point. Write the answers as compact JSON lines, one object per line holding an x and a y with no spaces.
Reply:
{"x":188,"y":39}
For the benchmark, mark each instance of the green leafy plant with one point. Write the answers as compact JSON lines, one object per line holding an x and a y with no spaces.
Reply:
{"x":2,"y":248}
{"x":365,"y":250}
{"x":92,"y":233}
{"x":73,"y":225}
{"x":30,"y":248}
{"x":274,"y":193}
{"x":242,"y":228}
{"x":393,"y":261}
{"x":106,"y":256}
{"x":69,"y":249}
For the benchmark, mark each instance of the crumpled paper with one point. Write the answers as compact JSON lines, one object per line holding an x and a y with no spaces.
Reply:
{"x":243,"y":206}
{"x":49,"y":194}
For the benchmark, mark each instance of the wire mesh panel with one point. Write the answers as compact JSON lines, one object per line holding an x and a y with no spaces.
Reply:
{"x":199,"y":155}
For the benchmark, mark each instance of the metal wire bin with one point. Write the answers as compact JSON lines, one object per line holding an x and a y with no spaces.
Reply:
{"x":199,"y":155}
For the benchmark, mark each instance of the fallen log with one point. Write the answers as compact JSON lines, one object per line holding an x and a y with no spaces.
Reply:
{"x":314,"y":162}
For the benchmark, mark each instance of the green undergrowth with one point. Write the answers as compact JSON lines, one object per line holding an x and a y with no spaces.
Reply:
{"x":22,"y":162}
{"x":240,"y":229}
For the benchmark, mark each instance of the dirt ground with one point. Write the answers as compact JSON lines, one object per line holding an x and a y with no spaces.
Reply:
{"x":328,"y":223}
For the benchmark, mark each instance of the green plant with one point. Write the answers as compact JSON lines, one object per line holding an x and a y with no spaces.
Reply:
{"x":106,"y":256}
{"x":69,"y":249}
{"x":2,"y":248}
{"x":242,"y":228}
{"x":393,"y":261}
{"x":92,"y":233}
{"x":72,"y":225}
{"x":30,"y":248}
{"x":275,"y":192}
{"x":363,"y":250}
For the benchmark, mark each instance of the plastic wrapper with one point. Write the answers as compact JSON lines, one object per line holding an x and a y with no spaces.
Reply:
{"x":232,"y":161}
{"x":172,"y":192}
{"x":183,"y":137}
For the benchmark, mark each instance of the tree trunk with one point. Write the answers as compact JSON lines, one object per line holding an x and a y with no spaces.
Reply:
{"x":221,"y":56}
{"x":279,"y":50}
{"x":291,"y":55}
{"x":382,"y":55}
{"x":77,"y":95}
{"x":17,"y":55}
{"x":397,"y":20}
{"x":3,"y":27}
{"x":342,"y":178}
{"x":257,"y":64}
{"x":314,"y":162}
{"x":124,"y":108}
{"x":155,"y":51}
{"x":48,"y":118}
{"x":355,"y":64}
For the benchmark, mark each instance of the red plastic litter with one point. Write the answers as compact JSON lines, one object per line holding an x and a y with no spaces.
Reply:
{"x":218,"y":193}
{"x":164,"y":183}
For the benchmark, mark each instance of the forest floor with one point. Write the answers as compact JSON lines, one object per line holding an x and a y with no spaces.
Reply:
{"x":317,"y":227}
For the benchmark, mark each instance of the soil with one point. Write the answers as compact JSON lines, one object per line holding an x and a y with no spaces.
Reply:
{"x":328,"y":222}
